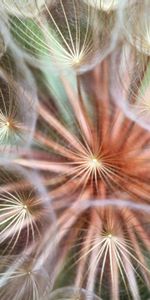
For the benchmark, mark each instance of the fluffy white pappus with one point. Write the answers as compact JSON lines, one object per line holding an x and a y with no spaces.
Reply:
{"x":17,"y":113}
{"x":72,"y":293}
{"x":49,"y":253}
{"x":30,"y":177}
{"x":24,"y":209}
{"x":21,"y":280}
{"x":76,"y":35}
{"x":72,"y":33}
{"x":109,"y":237}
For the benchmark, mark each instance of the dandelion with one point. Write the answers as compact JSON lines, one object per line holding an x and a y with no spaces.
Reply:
{"x":10,"y":130}
{"x":107,"y":247}
{"x":103,"y":154}
{"x":75,"y":201}
{"x":17,"y":214}
{"x":22,"y":213}
{"x":16,"y":126}
{"x":89,"y":154}
{"x":66,"y":32}
{"x":111,"y":239}
{"x":23,"y":281}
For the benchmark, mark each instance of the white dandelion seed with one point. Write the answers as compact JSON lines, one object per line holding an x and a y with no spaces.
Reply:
{"x":69,"y":32}
{"x":109,"y":241}
{"x":21,"y":280}
{"x":70,"y":39}
{"x":23,"y":210}
{"x":16,"y":125}
{"x":19,"y":212}
{"x":10,"y":129}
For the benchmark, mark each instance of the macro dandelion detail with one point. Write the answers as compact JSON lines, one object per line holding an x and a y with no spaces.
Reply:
{"x":21,"y":211}
{"x":32,"y":282}
{"x":65,"y":31}
{"x":75,"y":150}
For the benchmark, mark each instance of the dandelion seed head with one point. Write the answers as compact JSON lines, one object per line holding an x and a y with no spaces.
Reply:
{"x":66,"y":34}
{"x":71,"y":45}
{"x":23,"y":280}
{"x":21,"y":213}
{"x":9,"y":129}
{"x":86,"y":150}
{"x":16,"y":126}
{"x":105,"y":162}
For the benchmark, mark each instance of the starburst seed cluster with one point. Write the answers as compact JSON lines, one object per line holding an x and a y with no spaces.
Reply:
{"x":74,"y":150}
